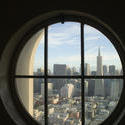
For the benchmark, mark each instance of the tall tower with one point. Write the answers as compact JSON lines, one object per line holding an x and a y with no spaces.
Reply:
{"x":99,"y":83}
{"x":99,"y":63}
{"x":87,"y":69}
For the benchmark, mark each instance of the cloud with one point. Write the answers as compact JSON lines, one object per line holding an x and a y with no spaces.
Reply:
{"x":91,"y":38}
{"x":61,"y":34}
{"x":68,"y":34}
{"x":66,"y":59}
{"x":58,"y":41}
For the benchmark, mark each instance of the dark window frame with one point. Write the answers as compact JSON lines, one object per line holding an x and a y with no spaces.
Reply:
{"x":44,"y":24}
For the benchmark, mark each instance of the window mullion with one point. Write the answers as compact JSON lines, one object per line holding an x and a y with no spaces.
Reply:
{"x":82,"y":74}
{"x":79,"y":76}
{"x":46,"y":74}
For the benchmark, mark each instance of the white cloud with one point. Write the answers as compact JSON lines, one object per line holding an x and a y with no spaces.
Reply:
{"x":56,"y":35}
{"x":68,"y":36}
{"x":61,"y":39}
{"x":66,"y":59}
{"x":90,"y":38}
{"x":61,"y":34}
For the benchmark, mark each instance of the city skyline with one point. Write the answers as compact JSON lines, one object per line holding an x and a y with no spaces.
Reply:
{"x":64,"y":47}
{"x":98,"y":69}
{"x":64,"y":95}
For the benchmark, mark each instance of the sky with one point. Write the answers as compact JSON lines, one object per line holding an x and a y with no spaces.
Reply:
{"x":64,"y":47}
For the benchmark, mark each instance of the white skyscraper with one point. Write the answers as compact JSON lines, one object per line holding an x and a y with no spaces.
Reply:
{"x":67,"y":90}
{"x":99,"y":83}
{"x":87,"y":69}
{"x":99,"y":64}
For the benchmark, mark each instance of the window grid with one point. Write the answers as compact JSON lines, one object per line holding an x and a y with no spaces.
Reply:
{"x":82,"y":73}
{"x":82,"y":76}
{"x":46,"y":74}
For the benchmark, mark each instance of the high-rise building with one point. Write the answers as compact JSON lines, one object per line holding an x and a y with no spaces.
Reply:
{"x":68,"y":71}
{"x":112,"y":69}
{"x":114,"y":89}
{"x":50,"y":88}
{"x":75,"y":71}
{"x":42,"y":89}
{"x":99,"y":64}
{"x":86,"y":87}
{"x":87,"y":69}
{"x":93,"y":73}
{"x":91,"y":87}
{"x":77,"y":89}
{"x":120,"y":86}
{"x":117,"y":72}
{"x":107,"y":86}
{"x":37,"y":85}
{"x":99,"y":83}
{"x":40,"y":71}
{"x":37,"y":82}
{"x":67,"y":91}
{"x":121,"y":72}
{"x":105,"y":70}
{"x":59,"y":69}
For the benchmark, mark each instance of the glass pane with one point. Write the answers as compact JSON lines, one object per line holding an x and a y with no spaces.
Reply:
{"x":64,"y":49}
{"x":101,"y":98}
{"x":31,"y":94}
{"x":101,"y":58}
{"x":31,"y":59}
{"x":64,"y":98}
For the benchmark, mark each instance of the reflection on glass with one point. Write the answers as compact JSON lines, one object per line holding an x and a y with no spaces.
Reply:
{"x":64,"y":49}
{"x":101,"y":58}
{"x":101,"y":98}
{"x":31,"y":59}
{"x":31,"y":94}
{"x":64,"y":101}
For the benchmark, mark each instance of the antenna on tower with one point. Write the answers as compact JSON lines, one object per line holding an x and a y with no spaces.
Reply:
{"x":99,"y":52}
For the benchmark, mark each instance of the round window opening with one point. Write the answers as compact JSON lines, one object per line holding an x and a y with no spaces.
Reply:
{"x":68,"y":73}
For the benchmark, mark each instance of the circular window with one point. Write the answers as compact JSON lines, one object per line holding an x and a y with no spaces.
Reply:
{"x":68,"y":70}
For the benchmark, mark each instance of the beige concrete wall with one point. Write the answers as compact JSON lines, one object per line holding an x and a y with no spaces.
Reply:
{"x":25,"y":67}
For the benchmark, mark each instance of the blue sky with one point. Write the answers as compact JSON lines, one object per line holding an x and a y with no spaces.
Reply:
{"x":64,"y":46}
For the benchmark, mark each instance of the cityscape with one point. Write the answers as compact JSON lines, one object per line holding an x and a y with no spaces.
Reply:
{"x":64,"y":95}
